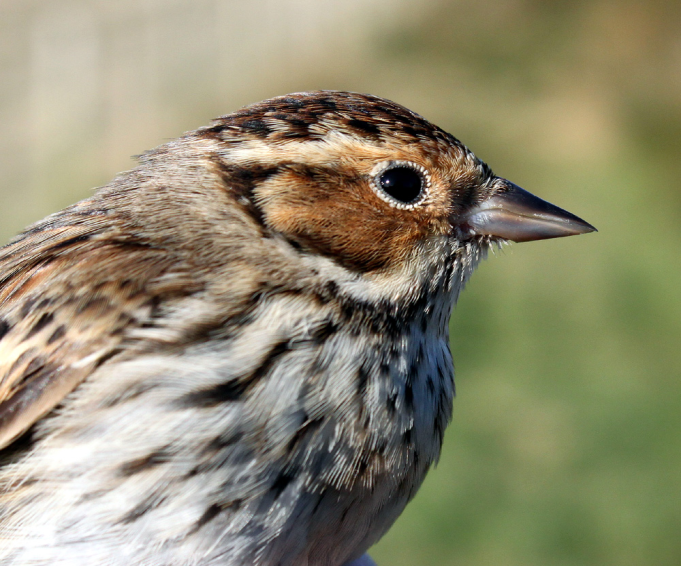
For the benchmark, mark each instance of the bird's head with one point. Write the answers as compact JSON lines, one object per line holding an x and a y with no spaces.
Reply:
{"x":366,"y":181}
{"x":369,"y":185}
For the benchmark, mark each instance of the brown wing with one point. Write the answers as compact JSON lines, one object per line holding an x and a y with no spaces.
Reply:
{"x":69,"y":286}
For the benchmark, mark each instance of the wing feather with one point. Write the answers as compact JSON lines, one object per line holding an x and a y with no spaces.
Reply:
{"x":69,"y":287}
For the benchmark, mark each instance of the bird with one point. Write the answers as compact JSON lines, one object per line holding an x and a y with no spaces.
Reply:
{"x":237,"y":352}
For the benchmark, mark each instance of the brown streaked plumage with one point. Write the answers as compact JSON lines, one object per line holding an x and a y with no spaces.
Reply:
{"x":237,"y":353}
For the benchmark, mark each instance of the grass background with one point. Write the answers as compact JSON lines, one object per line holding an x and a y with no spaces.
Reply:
{"x":566,"y":443}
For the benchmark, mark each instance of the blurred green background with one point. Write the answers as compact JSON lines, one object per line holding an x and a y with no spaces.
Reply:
{"x":566,"y":443}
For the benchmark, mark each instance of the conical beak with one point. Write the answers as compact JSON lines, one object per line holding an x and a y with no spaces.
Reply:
{"x":514,"y":214}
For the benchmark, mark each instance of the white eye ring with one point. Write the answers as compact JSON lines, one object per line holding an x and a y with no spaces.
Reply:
{"x":380,"y":191}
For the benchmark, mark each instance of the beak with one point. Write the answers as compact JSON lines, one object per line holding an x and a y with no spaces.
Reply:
{"x":514,"y":214}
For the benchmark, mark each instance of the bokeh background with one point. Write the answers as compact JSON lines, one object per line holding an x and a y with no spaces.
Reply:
{"x":566,"y":443}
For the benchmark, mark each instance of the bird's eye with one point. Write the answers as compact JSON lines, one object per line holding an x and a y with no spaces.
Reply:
{"x":401,"y":183}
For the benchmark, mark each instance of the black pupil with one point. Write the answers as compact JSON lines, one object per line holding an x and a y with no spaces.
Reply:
{"x":401,"y":183}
